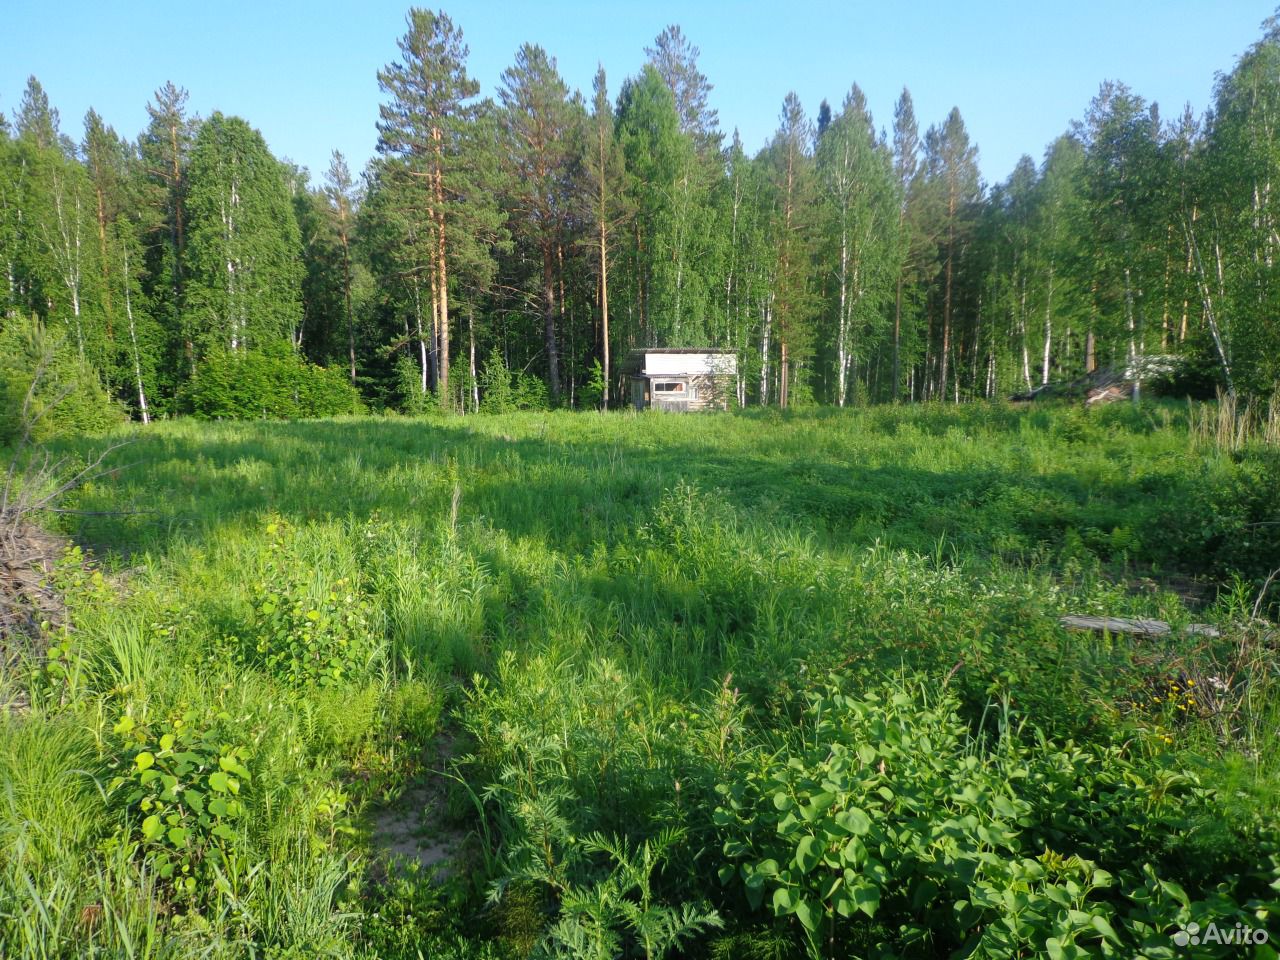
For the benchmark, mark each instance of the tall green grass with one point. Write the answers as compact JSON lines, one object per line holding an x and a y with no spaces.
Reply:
{"x":611,"y":614}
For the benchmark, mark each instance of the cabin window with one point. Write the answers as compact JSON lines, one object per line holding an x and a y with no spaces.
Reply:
{"x":668,"y":386}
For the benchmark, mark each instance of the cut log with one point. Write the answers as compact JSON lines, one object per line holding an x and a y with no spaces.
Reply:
{"x":1134,"y":628}
{"x":1137,"y":628}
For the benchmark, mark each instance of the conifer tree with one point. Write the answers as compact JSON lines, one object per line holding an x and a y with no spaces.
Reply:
{"x":538,"y":118}
{"x":424,"y":122}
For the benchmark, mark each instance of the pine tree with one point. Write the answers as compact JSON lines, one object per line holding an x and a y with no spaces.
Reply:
{"x":37,"y":121}
{"x":604,"y":179}
{"x":340,"y":193}
{"x":676,"y":60}
{"x":952,"y":163}
{"x":906,"y":159}
{"x":424,"y":122}
{"x":538,"y":118}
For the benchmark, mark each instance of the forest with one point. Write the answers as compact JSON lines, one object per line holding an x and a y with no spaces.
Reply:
{"x":513,"y":249}
{"x":349,"y":612}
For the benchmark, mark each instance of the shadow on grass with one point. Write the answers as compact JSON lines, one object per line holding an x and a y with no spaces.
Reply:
{"x":597,"y":480}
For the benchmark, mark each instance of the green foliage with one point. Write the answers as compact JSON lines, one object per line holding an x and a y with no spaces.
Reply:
{"x":270,"y":383}
{"x":182,"y":789}
{"x":592,"y":393}
{"x":410,"y":914}
{"x":244,"y":271}
{"x":888,"y":810}
{"x":413,"y":399}
{"x":600,"y":921}
{"x":496,"y":393}
{"x":67,"y":398}
{"x":303,"y":634}
{"x":587,"y":629}
{"x":529,"y":392}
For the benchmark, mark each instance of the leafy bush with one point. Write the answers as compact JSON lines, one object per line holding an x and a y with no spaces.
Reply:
{"x":301,"y":635}
{"x":529,"y":392}
{"x":68,"y":396}
{"x":270,"y":383}
{"x":185,"y":787}
{"x":889,"y":816}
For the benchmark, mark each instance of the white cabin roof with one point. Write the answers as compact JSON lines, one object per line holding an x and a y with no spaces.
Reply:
{"x":684,"y":363}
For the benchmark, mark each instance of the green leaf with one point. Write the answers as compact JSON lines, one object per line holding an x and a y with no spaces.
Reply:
{"x":783,"y":902}
{"x":808,"y":853}
{"x":855,"y":821}
{"x":167,"y":741}
{"x":151,"y":827}
{"x":144,"y":760}
{"x":124,"y":726}
{"x":867,"y":897}
{"x":808,"y":915}
{"x":1101,"y":924}
{"x":177,"y":836}
{"x":818,"y":805}
{"x":219,"y":782}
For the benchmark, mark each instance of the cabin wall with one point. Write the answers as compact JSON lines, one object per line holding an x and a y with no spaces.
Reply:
{"x":706,"y":392}
{"x":710,"y":391}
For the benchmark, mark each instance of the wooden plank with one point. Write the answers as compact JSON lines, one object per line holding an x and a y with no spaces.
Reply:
{"x":1136,"y":628}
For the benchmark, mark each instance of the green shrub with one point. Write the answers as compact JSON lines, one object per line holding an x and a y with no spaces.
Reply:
{"x":273,"y":382}
{"x":413,"y":399}
{"x":302,"y":635}
{"x":182,"y":790}
{"x":68,"y":397}
{"x":529,"y":392}
{"x":591,"y":393}
{"x":496,"y":395}
{"x":889,"y":816}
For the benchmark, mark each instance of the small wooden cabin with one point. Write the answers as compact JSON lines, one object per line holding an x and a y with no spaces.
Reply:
{"x":681,"y":379}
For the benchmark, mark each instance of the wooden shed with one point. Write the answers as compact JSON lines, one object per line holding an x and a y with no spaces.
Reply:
{"x":681,"y":379}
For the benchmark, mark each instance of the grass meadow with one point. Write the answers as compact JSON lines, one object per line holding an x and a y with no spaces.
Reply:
{"x":749,"y":685}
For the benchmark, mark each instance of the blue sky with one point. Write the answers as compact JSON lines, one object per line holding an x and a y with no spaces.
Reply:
{"x":304,"y":73}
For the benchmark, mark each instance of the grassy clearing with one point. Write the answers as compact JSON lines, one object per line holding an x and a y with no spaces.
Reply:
{"x":727,"y":685}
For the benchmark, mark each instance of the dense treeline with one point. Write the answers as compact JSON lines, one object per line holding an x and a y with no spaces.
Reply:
{"x":507,"y":252}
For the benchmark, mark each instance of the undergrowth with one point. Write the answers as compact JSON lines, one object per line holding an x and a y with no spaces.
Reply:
{"x":749,"y":685}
